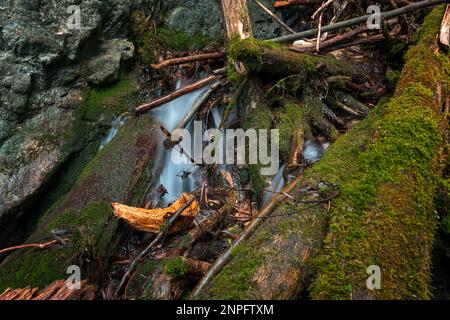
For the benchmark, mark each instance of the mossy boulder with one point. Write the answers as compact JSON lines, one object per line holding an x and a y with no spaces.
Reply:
{"x":85,"y":211}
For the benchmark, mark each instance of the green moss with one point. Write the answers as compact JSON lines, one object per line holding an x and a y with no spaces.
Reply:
{"x":110,"y":101}
{"x":179,"y":41}
{"x":144,"y":35}
{"x":291,"y":119}
{"x":384,"y":214}
{"x":392,"y":76}
{"x":175,"y":267}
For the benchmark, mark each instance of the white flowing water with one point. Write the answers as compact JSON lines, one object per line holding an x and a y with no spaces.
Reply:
{"x":115,"y":126}
{"x":177,"y":173}
{"x":276,"y":186}
{"x":313,"y":151}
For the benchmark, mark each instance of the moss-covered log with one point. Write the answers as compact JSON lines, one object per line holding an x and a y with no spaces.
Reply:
{"x":278,"y":61}
{"x":115,"y":174}
{"x":386,"y":171}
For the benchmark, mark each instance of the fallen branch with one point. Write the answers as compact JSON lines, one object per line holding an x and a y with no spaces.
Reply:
{"x":285,"y":3}
{"x":33,"y":245}
{"x":362,"y":19}
{"x":154,"y":220}
{"x":274,"y":17}
{"x":341,"y":38}
{"x":158,"y":238}
{"x":198,"y":57}
{"x":178,"y":93}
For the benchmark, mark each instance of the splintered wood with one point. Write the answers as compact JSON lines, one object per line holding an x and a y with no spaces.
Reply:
{"x":154,"y":220}
{"x":58,"y":290}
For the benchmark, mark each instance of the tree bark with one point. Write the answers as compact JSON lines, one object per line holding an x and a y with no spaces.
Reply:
{"x":237,"y":20}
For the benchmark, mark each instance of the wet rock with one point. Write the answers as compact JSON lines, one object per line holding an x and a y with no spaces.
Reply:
{"x":105,"y":68}
{"x":85,"y":211}
{"x":201,"y":17}
{"x":45,"y":60}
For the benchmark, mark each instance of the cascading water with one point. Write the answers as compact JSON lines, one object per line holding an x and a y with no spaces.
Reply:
{"x":276,"y":186}
{"x":115,"y":126}
{"x":177,"y":174}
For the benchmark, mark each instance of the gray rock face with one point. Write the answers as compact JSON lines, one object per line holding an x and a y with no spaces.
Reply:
{"x":205,"y":17}
{"x":197,"y":17}
{"x":46,"y":59}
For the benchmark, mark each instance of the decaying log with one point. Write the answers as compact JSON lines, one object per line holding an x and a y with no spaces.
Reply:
{"x":198,"y":57}
{"x":359,"y":20}
{"x":237,"y":21}
{"x":263,"y":58}
{"x":194,"y":267}
{"x":154,"y":220}
{"x":178,"y":93}
{"x":296,"y":152}
{"x":274,"y":17}
{"x":444,"y":34}
{"x":58,"y":290}
{"x":375,"y":167}
{"x":285,"y":3}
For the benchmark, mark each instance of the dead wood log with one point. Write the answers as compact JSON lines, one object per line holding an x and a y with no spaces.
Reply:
{"x":194,"y":267}
{"x":198,"y":57}
{"x":58,"y":290}
{"x":34,"y":245}
{"x":237,"y":20}
{"x":154,"y":220}
{"x":158,"y":238}
{"x":274,"y":17}
{"x":281,"y":249}
{"x":359,"y":20}
{"x":286,"y":3}
{"x":296,"y":152}
{"x":279,"y":62}
{"x":178,"y":93}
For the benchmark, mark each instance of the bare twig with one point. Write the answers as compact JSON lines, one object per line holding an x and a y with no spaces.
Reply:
{"x":359,"y":20}
{"x":33,"y":245}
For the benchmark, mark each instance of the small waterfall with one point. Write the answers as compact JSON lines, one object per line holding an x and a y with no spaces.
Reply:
{"x":177,"y":174}
{"x":276,"y":186}
{"x":115,"y":126}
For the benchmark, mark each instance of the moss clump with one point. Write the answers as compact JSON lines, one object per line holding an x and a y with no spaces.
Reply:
{"x":174,"y":40}
{"x":292,"y":118}
{"x":175,"y":267}
{"x":143,"y":35}
{"x":110,"y":101}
